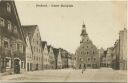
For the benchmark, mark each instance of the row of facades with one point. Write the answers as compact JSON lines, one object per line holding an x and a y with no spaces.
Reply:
{"x":88,"y":56}
{"x":21,"y":47}
{"x":116,"y":56}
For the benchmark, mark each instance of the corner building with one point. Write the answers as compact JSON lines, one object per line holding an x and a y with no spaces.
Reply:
{"x":87,"y":55}
{"x":12,"y":41}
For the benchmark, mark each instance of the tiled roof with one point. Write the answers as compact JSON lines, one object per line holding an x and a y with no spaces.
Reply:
{"x":29,"y":30}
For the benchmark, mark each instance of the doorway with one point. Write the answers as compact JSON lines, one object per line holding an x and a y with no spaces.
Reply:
{"x":16,"y":66}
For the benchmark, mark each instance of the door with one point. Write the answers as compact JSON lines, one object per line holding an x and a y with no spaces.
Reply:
{"x":16,"y":66}
{"x":27,"y":66}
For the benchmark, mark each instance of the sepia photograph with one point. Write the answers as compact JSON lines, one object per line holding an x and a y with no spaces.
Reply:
{"x":63,"y":41}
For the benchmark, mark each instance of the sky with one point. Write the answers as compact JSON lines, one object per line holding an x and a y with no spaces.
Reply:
{"x":61,"y":26}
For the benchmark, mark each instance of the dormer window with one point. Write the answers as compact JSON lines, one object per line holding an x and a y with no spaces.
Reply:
{"x":2,"y":23}
{"x":8,"y":7}
{"x":9,"y":26}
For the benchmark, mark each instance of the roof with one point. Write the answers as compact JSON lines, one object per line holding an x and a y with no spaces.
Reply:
{"x":49,"y":47}
{"x":13,"y":17}
{"x":56,"y":51}
{"x":29,"y":30}
{"x":43,"y":44}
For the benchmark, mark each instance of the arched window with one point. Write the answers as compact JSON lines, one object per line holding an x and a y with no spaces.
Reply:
{"x":9,"y":26}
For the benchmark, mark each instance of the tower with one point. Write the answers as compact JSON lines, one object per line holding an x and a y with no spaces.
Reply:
{"x":84,"y":35}
{"x":86,"y":54}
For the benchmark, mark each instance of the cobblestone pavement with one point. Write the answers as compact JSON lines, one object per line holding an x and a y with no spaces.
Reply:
{"x":70,"y":75}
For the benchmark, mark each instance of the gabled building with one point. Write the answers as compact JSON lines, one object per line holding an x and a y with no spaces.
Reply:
{"x":45,"y":55}
{"x":58,"y":60}
{"x":35,"y":41}
{"x":29,"y":53}
{"x":109,"y":57}
{"x":12,"y":40}
{"x":74,"y":62}
{"x":51,"y":57}
{"x":64,"y":58}
{"x":87,"y":53}
{"x":70,"y":61}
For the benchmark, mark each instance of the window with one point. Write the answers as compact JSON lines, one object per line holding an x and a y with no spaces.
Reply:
{"x":81,"y":53}
{"x":5,"y":44}
{"x":87,"y":46}
{"x":20,"y":47}
{"x":93,"y":52}
{"x":22,"y":64}
{"x":87,"y":52}
{"x":8,"y":7}
{"x":94,"y":59}
{"x":2,"y":22}
{"x":37,"y":42}
{"x":81,"y":59}
{"x":89,"y":65}
{"x":88,"y":59}
{"x":15,"y":29}
{"x":9,"y":26}
{"x":13,"y":45}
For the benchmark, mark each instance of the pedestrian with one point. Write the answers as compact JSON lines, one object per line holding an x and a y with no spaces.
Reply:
{"x":82,"y":71}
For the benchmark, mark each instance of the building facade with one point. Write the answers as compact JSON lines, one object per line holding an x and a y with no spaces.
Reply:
{"x":45,"y":55}
{"x":64,"y":58}
{"x":35,"y":41}
{"x":51,"y":58}
{"x":102,"y":57}
{"x":87,"y":53}
{"x":123,"y":49}
{"x":29,"y":54}
{"x":12,"y":41}
{"x":59,"y":60}
{"x":109,"y":57}
{"x":115,"y":60}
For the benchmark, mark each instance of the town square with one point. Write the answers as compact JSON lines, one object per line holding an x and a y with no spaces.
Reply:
{"x":45,"y":41}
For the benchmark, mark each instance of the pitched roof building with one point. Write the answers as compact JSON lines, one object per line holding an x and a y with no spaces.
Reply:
{"x":35,"y":40}
{"x":12,"y":40}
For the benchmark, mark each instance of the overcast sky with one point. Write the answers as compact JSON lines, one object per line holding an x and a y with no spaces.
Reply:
{"x":61,"y":27}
